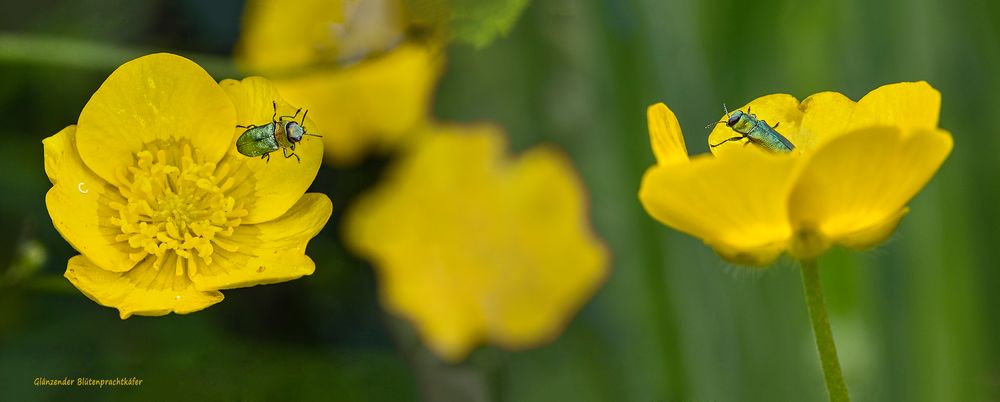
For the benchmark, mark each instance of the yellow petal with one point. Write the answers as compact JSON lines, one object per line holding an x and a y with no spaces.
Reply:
{"x":324,"y":31}
{"x":736,"y":204}
{"x":781,"y":109}
{"x":370,"y":27}
{"x":268,"y":252}
{"x":78,"y":204}
{"x":824,"y":116}
{"x":371,"y":104}
{"x":407,"y":227}
{"x":160,"y":97}
{"x":875,"y":234}
{"x":473,"y":247}
{"x":278,"y":182}
{"x":665,"y":135}
{"x":270,"y":41}
{"x":905,"y":104}
{"x":143,"y":290}
{"x":861,"y":181}
{"x":564,"y":263}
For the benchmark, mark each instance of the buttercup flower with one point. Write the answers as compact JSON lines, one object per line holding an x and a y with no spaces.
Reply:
{"x":473,"y":247}
{"x":854,"y":169}
{"x":150,"y":189}
{"x":367,"y":83}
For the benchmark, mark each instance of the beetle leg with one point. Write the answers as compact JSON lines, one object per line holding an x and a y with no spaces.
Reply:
{"x":776,"y":124}
{"x":282,"y":118}
{"x":729,"y":139}
{"x":289,"y":155}
{"x":246,"y":127}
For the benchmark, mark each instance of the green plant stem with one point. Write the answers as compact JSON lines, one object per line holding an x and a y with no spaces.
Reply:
{"x":90,"y":55}
{"x":832,"y":374}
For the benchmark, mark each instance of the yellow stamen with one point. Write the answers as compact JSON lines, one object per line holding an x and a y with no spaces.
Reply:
{"x":176,"y":205}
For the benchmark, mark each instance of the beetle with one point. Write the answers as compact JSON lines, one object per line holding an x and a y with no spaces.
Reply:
{"x":282,"y":132}
{"x":755,"y":131}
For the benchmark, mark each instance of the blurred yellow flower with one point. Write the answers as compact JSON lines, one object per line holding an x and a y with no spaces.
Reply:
{"x":473,"y":247}
{"x":855,"y":167}
{"x":350,"y":61}
{"x":150,"y":189}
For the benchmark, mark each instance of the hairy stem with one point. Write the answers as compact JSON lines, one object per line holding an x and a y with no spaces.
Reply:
{"x":832,"y":374}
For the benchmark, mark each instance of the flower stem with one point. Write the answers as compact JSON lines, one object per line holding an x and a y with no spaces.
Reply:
{"x":832,"y":374}
{"x":91,"y":55}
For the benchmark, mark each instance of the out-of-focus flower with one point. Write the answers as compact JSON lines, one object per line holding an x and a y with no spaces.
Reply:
{"x":471,"y":246}
{"x":150,"y":189}
{"x":368,"y":83}
{"x":854,"y":169}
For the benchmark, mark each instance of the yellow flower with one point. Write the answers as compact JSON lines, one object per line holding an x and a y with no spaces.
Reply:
{"x":855,"y":167}
{"x":150,"y":189}
{"x":473,"y":247}
{"x":350,"y":61}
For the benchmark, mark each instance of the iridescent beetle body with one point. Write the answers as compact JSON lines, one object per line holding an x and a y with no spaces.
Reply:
{"x":755,"y":131}
{"x":281,"y":133}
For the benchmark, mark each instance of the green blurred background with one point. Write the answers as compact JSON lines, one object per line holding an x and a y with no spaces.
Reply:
{"x":915,"y":319}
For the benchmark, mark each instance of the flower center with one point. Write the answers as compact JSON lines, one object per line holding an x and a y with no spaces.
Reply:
{"x":176,"y":203}
{"x":809,"y":242}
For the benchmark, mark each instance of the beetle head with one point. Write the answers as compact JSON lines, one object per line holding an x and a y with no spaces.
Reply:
{"x":294,"y":131}
{"x":734,"y":118}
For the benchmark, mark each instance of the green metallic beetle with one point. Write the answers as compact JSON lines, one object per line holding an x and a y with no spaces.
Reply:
{"x":755,"y":131}
{"x":282,"y":132}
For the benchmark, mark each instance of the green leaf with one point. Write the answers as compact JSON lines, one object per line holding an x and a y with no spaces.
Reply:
{"x":476,"y":22}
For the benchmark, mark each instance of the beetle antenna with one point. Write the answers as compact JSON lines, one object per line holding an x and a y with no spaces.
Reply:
{"x":726,"y":140}
{"x":304,"y":119}
{"x":724,"y":109}
{"x":314,"y":135}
